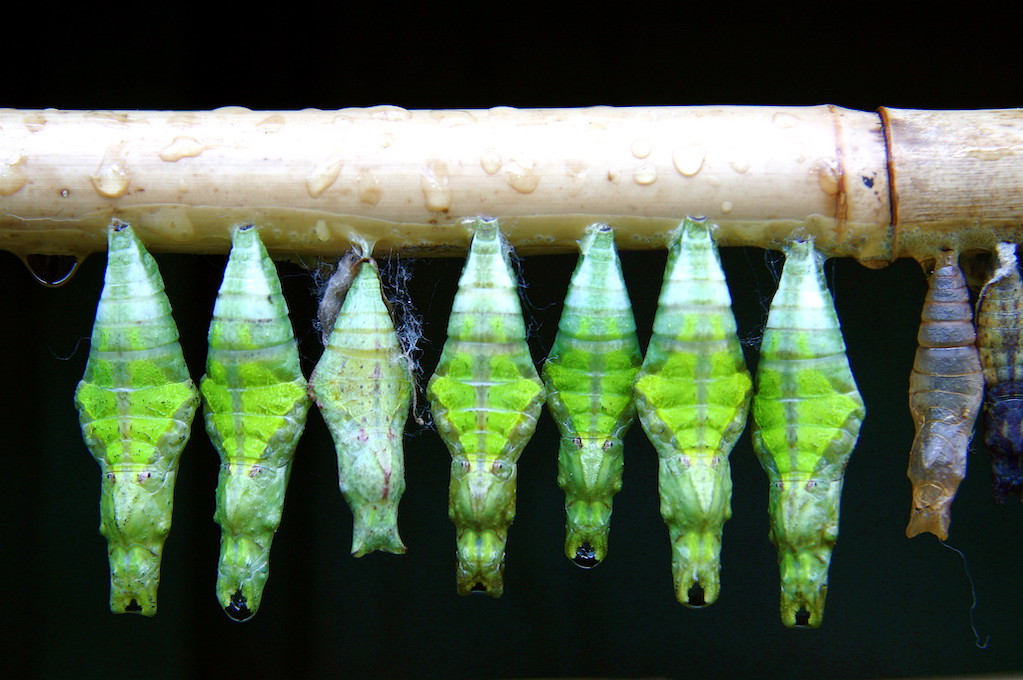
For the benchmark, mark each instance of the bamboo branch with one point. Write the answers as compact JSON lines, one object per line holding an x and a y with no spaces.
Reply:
{"x":872,"y":186}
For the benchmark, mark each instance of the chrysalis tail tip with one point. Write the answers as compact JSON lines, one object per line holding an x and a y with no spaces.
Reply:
{"x":585,"y":557}
{"x":925,"y":520}
{"x":695,"y":597}
{"x":237,"y":609}
{"x":802,"y":619}
{"x":139,"y":602}
{"x":481,"y":588}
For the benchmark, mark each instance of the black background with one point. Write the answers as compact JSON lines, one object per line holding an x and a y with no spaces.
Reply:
{"x":896,"y":607}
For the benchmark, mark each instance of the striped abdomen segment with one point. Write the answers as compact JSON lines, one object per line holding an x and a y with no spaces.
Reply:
{"x":807,"y":414}
{"x":136,"y":403}
{"x":589,"y":375}
{"x":363,"y":386}
{"x":255,"y":408}
{"x":485,"y":397}
{"x":945,"y":391}
{"x":692,"y":396}
{"x":1000,"y":341}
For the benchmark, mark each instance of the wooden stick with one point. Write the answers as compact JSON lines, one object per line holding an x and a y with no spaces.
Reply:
{"x":873,"y":186}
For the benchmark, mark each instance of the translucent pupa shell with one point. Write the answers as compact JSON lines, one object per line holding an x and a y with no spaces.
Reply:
{"x":136,"y":404}
{"x":255,"y":407}
{"x":1000,"y":341}
{"x":693,"y":396}
{"x":589,"y":375}
{"x":807,"y":414}
{"x":485,"y":397}
{"x":363,"y":386}
{"x":945,"y":391}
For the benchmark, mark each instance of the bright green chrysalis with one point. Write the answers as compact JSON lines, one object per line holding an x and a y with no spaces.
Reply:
{"x":692,"y":396}
{"x":807,"y":414}
{"x":485,"y":397}
{"x":589,"y":376}
{"x":136,"y":404}
{"x":363,"y":386}
{"x":255,"y":406}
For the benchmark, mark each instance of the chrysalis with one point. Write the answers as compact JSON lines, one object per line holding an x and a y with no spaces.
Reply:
{"x":945,"y":391}
{"x":807,"y":414}
{"x":693,"y":395}
{"x":589,"y":376}
{"x":255,"y":406}
{"x":136,"y":404}
{"x":363,"y":386}
{"x":1000,"y":341}
{"x":485,"y":397}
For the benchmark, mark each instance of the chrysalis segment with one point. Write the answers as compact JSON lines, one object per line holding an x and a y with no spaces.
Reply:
{"x":589,"y":376}
{"x":363,"y":386}
{"x":945,"y":391}
{"x":1000,"y":341}
{"x":807,"y":414}
{"x":136,"y":404}
{"x":485,"y":397}
{"x":692,"y":396}
{"x":255,"y":406}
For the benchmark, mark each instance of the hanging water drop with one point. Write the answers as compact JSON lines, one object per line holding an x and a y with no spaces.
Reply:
{"x":52,"y":270}
{"x":182,"y":147}
{"x":434,"y":183}
{"x":688,"y":159}
{"x":641,"y":148}
{"x":270,"y":124}
{"x":12,"y":174}
{"x":490,"y":161}
{"x":322,"y":176}
{"x":368,"y":187}
{"x":522,"y":176}
{"x":645,"y":175}
{"x":829,"y":177}
{"x":111,"y":177}
{"x":784,"y":120}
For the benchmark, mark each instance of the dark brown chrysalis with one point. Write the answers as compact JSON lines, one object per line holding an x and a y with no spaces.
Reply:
{"x":1000,"y":341}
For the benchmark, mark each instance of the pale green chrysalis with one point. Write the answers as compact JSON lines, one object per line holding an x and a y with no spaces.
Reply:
{"x":255,"y":406}
{"x":589,"y":375}
{"x":485,"y":397}
{"x":807,"y":414}
{"x":363,"y":386}
{"x":692,"y":396}
{"x":136,"y":404}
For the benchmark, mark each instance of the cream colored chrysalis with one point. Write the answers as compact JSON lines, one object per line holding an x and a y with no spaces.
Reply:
{"x":363,"y":387}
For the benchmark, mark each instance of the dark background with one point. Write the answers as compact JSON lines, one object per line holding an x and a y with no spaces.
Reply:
{"x":896,"y":607}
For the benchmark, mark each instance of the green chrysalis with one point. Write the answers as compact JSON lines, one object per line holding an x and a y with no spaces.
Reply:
{"x":255,"y":406}
{"x":485,"y":397}
{"x":363,"y":386}
{"x":136,"y":404}
{"x":693,"y":396}
{"x":589,"y":376}
{"x":807,"y":414}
